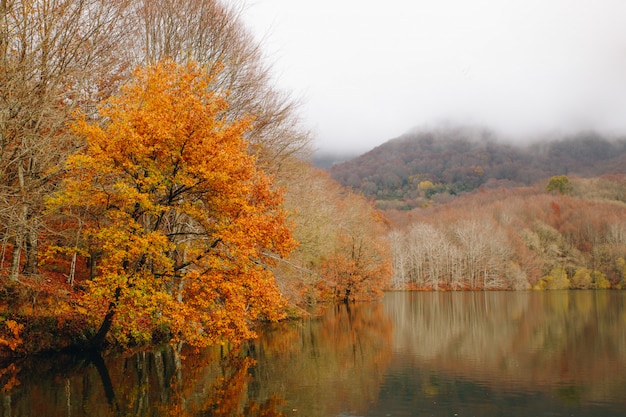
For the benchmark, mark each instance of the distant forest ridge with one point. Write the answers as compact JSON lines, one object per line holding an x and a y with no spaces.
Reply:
{"x":423,"y":166}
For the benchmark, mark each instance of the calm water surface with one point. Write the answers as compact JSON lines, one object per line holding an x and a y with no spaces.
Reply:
{"x":559,"y":353}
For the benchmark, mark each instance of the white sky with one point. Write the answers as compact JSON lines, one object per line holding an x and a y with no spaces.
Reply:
{"x":369,"y":71}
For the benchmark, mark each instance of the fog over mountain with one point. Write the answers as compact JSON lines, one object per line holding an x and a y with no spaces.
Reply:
{"x":368,"y":70}
{"x":454,"y":160}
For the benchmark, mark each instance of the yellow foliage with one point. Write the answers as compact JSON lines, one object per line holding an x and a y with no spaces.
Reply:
{"x":620,"y":265}
{"x":184,"y":223}
{"x":582,"y":279}
{"x":425,"y":185}
{"x":557,"y":280}
{"x":599,"y":281}
{"x":13,"y":339}
{"x":542,"y":283}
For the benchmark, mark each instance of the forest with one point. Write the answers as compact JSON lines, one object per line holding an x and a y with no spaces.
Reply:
{"x":558,"y":234}
{"x":155,"y":184}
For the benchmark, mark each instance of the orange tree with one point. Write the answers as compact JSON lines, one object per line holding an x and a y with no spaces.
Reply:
{"x":183,"y":223}
{"x":359,"y":268}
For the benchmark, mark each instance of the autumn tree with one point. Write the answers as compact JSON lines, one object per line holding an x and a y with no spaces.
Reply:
{"x":561,"y":184}
{"x":186,"y":224}
{"x":599,"y":281}
{"x":312,"y":199}
{"x":620,"y":266}
{"x":430,"y":256}
{"x":61,"y":55}
{"x":454,"y":254}
{"x":582,"y":279}
{"x":485,"y":253}
{"x":359,"y":268}
{"x":329,"y":223}
{"x":586,"y":279}
{"x":556,"y":280}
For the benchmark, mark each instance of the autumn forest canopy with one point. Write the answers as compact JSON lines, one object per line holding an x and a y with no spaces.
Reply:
{"x":155,"y":187}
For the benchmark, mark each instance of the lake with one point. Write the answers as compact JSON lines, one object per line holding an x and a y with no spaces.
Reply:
{"x":553,"y":353}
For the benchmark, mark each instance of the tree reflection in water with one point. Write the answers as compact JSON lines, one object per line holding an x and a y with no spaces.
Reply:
{"x":323,"y":366}
{"x":494,"y":350}
{"x":478,"y":353}
{"x":329,"y":366}
{"x":158,"y":383}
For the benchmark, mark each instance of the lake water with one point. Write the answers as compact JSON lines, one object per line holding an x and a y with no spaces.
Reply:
{"x":559,"y":353}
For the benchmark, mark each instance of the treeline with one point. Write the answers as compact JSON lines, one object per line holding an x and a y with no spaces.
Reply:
{"x":428,"y":165}
{"x":516,"y":239}
{"x":153,"y":183}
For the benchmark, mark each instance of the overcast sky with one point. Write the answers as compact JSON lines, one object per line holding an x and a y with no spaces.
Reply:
{"x":371,"y":70}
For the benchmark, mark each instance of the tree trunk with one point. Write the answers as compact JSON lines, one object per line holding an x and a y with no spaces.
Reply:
{"x":31,"y":253}
{"x":346,"y":297}
{"x":70,"y":278}
{"x":14,"y":274}
{"x":98,"y":340}
{"x":20,"y":227}
{"x":92,"y":262}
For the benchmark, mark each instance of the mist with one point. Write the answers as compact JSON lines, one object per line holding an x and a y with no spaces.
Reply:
{"x":369,"y":72}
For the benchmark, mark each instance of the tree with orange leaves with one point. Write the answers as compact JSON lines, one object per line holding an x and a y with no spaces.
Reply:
{"x":186,"y":224}
{"x":359,"y":268}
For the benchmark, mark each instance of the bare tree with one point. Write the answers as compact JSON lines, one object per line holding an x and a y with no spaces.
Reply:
{"x":400,"y":258}
{"x":211,"y":33}
{"x":427,"y":248}
{"x":466,"y":253}
{"x":53,"y":55}
{"x":485,"y":253}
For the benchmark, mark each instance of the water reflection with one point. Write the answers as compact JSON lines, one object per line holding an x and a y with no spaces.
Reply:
{"x":529,"y":353}
{"x":315,"y":368}
{"x":330,"y":366}
{"x":158,"y":383}
{"x":481,"y":353}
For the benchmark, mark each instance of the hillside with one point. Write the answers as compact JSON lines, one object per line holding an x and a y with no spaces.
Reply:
{"x":422,"y":166}
{"x":517,"y":238}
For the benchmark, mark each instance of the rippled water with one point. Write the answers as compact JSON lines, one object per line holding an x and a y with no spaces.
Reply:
{"x":559,"y":353}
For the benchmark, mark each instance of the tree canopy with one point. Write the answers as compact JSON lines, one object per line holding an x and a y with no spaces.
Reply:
{"x":561,"y":184}
{"x":181,"y":222}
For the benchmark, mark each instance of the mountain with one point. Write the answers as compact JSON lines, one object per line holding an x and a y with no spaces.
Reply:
{"x":420,"y":166}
